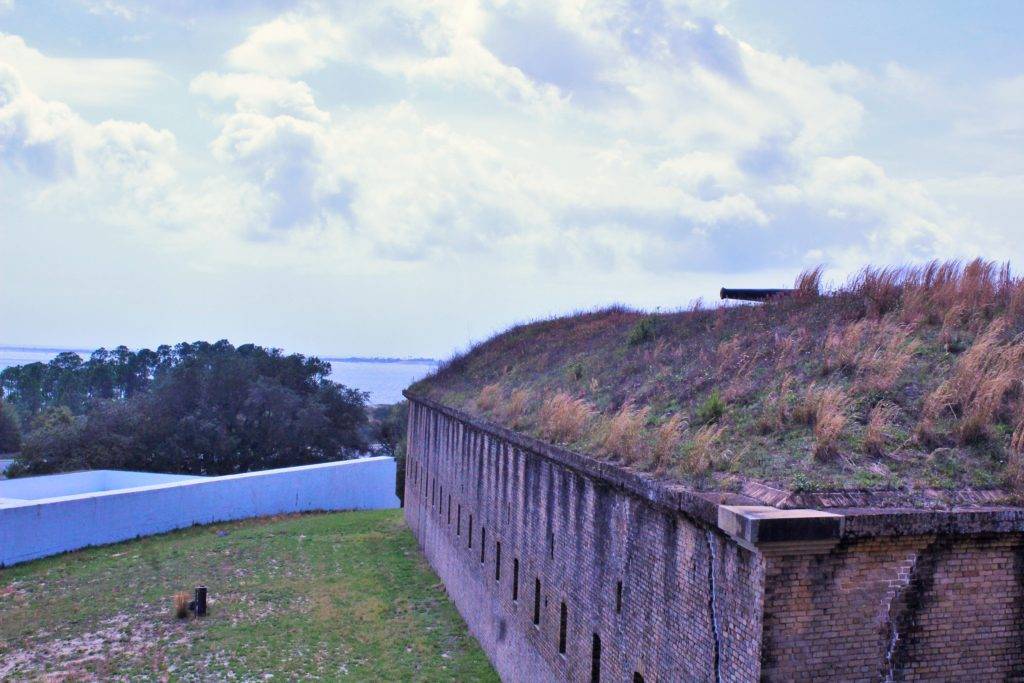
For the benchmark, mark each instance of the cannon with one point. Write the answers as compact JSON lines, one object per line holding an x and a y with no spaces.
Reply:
{"x":754,"y":294}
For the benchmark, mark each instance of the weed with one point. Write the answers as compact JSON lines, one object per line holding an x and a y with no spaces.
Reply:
{"x":575,"y":371}
{"x":666,"y":442}
{"x":808,"y":283}
{"x":625,"y":435}
{"x":711,"y":408}
{"x":516,"y":407}
{"x":981,"y":381}
{"x":563,"y":419}
{"x":826,"y":411}
{"x":700,"y":454}
{"x":181,"y":600}
{"x":489,"y":397}
{"x":643,"y":331}
{"x":879,"y":424}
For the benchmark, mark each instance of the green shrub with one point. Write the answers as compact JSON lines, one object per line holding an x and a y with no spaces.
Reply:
{"x":711,"y":409}
{"x":643,"y":331}
{"x":575,"y":371}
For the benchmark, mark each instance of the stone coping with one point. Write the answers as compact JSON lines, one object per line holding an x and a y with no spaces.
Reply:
{"x":761,"y":516}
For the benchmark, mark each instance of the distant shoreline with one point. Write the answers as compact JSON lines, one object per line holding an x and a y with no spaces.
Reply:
{"x":335,"y":359}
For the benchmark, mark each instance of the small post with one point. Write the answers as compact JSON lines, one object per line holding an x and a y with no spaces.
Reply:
{"x":200,"y":601}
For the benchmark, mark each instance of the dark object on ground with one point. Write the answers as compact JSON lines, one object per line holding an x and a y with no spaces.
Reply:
{"x":198,"y":605}
{"x":753,"y":294}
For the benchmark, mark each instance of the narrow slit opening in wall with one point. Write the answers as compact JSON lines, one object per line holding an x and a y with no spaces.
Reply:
{"x":449,"y":508}
{"x":536,"y":602}
{"x":595,"y":660}
{"x":618,"y":597}
{"x":515,"y":579}
{"x":440,"y":498}
{"x":458,"y":520}
{"x":551,"y":544}
{"x":471,"y":531}
{"x":497,"y":561}
{"x":483,"y":544}
{"x":563,"y":618}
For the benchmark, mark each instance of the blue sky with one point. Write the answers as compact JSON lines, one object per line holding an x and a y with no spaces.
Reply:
{"x":402,"y":178}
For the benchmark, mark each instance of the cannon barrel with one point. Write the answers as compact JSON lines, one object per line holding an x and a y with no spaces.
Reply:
{"x":753,"y":294}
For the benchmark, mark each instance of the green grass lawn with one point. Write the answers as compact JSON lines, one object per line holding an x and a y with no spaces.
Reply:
{"x":343,"y":596}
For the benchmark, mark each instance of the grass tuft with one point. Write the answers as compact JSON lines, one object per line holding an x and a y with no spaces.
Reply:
{"x":564,"y":419}
{"x":625,"y":434}
{"x":666,"y":442}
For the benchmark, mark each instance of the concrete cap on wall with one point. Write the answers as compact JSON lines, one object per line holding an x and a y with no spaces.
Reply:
{"x":770,"y":530}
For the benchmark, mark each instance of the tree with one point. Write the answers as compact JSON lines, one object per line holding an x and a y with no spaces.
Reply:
{"x":200,"y":408}
{"x":10,"y":429}
{"x":390,"y":429}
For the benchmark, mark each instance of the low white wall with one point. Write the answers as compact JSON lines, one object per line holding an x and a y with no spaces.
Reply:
{"x":38,"y":528}
{"x":86,"y":481}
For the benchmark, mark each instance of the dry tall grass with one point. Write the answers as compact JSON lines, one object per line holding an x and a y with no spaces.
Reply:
{"x":825,"y":409}
{"x":181,"y":601}
{"x":875,"y":352}
{"x":666,"y":442}
{"x":701,"y":452}
{"x":489,"y":397}
{"x":516,"y":407}
{"x":808,"y":283}
{"x":982,"y":381}
{"x":625,"y":435}
{"x":564,"y":419}
{"x":829,"y":421}
{"x":880,"y":422}
{"x":927,"y":293}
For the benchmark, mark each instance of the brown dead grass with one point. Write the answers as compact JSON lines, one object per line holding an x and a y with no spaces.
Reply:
{"x":666,"y":442}
{"x":516,"y":407}
{"x":625,"y":434}
{"x":564,"y":419}
{"x":825,"y":409}
{"x":977,"y":392}
{"x":877,"y":434}
{"x":700,"y":455}
{"x":181,"y":600}
{"x":874,"y":352}
{"x":489,"y":397}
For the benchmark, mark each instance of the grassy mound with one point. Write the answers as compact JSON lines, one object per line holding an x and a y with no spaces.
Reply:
{"x":903,"y":378}
{"x":342,"y":596}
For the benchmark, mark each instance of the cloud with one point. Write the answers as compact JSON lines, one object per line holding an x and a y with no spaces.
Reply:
{"x":290,"y":45}
{"x":641,"y":135}
{"x":80,"y":81}
{"x":50,"y":140}
{"x":256,"y":93}
{"x":637,"y":135}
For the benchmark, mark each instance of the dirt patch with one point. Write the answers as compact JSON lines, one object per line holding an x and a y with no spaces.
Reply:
{"x":134,"y":640}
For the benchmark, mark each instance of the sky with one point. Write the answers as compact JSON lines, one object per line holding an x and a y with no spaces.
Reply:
{"x":403,"y":178}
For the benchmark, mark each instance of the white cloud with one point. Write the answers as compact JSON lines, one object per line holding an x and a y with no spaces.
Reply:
{"x":634,"y":137}
{"x":290,"y":45}
{"x":256,"y":93}
{"x":50,"y":140}
{"x":80,"y":81}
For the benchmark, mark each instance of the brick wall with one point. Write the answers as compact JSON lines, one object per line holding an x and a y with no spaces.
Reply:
{"x":630,"y":574}
{"x":644,"y":570}
{"x":928,"y":608}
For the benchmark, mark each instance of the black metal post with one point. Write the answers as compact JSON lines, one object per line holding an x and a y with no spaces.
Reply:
{"x":200,"y":601}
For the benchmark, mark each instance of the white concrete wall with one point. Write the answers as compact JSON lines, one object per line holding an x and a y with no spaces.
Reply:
{"x":37,"y":528}
{"x":86,"y":481}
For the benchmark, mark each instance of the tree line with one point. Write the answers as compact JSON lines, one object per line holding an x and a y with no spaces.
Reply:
{"x":196,"y":408}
